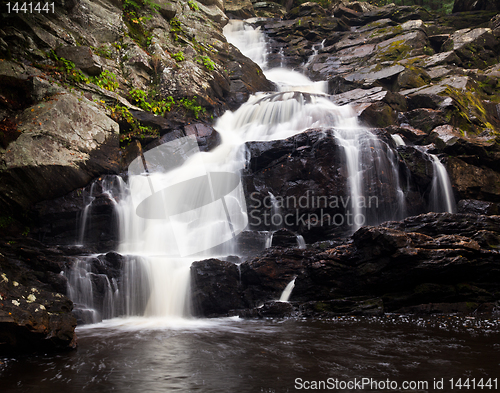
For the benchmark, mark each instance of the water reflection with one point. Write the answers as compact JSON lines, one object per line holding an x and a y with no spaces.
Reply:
{"x":260,"y":356}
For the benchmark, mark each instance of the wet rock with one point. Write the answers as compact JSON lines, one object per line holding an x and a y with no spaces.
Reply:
{"x":250,"y":243}
{"x":410,"y":78}
{"x":60,"y":221}
{"x":378,"y":115}
{"x":245,"y":78}
{"x":35,"y":316}
{"x":272,"y":309}
{"x":215,"y":287}
{"x":474,"y":206}
{"x":307,"y":9}
{"x":206,"y":136}
{"x":284,"y":238}
{"x":431,"y":258}
{"x":418,"y":164}
{"x":369,"y":75}
{"x":425,"y":119}
{"x":476,"y":48}
{"x":346,"y":306}
{"x":168,"y":9}
{"x":473,"y":182}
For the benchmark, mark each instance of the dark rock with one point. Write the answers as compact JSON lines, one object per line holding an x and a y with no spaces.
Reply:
{"x":250,"y":243}
{"x":307,"y":9}
{"x":346,"y":306}
{"x":35,"y":316}
{"x":215,"y":287}
{"x":46,"y":161}
{"x":59,"y":221}
{"x":473,"y":206}
{"x":410,"y":78}
{"x":245,"y":78}
{"x":473,"y":182}
{"x":241,"y":9}
{"x":206,"y":136}
{"x":425,"y":119}
{"x":167,"y":9}
{"x":378,"y":115}
{"x":272,"y":309}
{"x":475,"y":5}
{"x":284,"y":238}
{"x":431,"y":258}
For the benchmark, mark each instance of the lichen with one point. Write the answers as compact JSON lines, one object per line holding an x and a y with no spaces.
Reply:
{"x":396,"y":51}
{"x":469,"y":113}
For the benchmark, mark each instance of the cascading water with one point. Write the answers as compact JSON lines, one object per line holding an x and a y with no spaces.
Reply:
{"x":441,"y":194}
{"x":287,"y":291}
{"x":441,"y":199}
{"x":182,"y":205}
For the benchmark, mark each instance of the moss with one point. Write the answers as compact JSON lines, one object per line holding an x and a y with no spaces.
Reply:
{"x":396,"y":51}
{"x":469,"y":113}
{"x":391,"y":31}
{"x":321,"y":307}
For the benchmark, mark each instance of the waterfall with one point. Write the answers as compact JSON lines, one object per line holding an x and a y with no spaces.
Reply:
{"x":287,"y":291}
{"x":441,"y":195}
{"x":441,"y":198}
{"x":180,"y":205}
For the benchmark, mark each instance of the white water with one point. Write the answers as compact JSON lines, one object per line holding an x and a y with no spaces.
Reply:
{"x":287,"y":291}
{"x":442,"y":199}
{"x":441,"y":195}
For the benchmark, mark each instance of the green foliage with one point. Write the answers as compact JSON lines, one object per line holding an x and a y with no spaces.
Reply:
{"x":140,"y":98}
{"x":207,"y":62}
{"x":179,"y":56}
{"x":6,"y":221}
{"x":192,"y":105}
{"x":103,"y":51}
{"x":193,"y":5}
{"x":135,"y":129}
{"x":67,"y":68}
{"x":135,"y":23}
{"x":107,"y":80}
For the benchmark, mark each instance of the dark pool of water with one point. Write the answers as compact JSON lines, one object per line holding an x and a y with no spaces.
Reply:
{"x":265,"y":356}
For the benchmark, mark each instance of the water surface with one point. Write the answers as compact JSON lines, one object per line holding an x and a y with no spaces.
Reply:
{"x":232,"y":355}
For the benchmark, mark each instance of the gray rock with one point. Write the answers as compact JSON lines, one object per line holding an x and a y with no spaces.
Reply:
{"x":63,"y":144}
{"x":82,"y":57}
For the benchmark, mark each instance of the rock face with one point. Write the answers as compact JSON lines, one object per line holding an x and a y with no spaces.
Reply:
{"x":63,"y":144}
{"x":35,"y":316}
{"x":450,"y":259}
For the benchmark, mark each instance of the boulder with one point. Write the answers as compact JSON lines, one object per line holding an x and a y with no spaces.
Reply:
{"x":82,"y":57}
{"x":215,"y":286}
{"x":63,"y":143}
{"x":241,"y":9}
{"x":424,"y":119}
{"x":473,"y":182}
{"x":206,"y":136}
